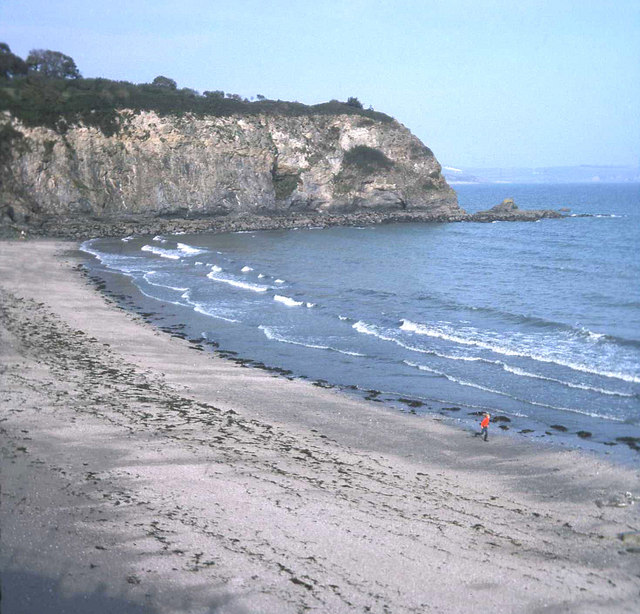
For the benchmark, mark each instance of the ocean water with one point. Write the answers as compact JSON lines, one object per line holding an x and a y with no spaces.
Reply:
{"x":538,"y":323}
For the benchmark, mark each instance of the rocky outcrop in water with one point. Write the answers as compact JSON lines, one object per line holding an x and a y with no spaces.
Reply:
{"x":508,"y":211}
{"x":218,"y":168}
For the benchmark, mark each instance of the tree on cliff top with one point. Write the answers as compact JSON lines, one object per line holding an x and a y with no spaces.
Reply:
{"x":48,"y":90}
{"x":10,"y":64}
{"x":165,"y":82}
{"x":52,"y":64}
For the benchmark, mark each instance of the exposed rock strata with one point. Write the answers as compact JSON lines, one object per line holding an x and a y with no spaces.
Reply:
{"x":195,"y":174}
{"x":219,"y":167}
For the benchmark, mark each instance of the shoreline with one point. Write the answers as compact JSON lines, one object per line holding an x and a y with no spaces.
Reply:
{"x":81,"y":228}
{"x":616,"y":445}
{"x":621,"y":450}
{"x":194,"y":483}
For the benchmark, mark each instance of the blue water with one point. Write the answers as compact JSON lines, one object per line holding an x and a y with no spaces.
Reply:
{"x":536,"y":322}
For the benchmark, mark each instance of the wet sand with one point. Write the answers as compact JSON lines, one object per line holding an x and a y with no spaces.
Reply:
{"x":140,"y":474}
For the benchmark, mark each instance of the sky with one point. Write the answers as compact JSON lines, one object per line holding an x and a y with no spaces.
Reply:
{"x":483,"y":83}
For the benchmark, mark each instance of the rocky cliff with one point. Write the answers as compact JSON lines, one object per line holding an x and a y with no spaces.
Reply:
{"x":219,"y":167}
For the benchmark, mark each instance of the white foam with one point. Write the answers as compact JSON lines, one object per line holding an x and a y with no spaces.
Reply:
{"x":421,"y":329}
{"x":199,"y":308}
{"x":147,"y":277}
{"x":87,"y":247}
{"x":204,"y":309}
{"x":127,"y":265}
{"x":279,"y":281}
{"x":162,"y":300}
{"x":415,"y":365}
{"x":591,"y":335}
{"x":310,"y":305}
{"x":271,"y":334}
{"x":369,"y":329}
{"x":246,"y":269}
{"x":285,"y":300}
{"x":523,"y":373}
{"x":261,"y":276}
{"x":160,"y":239}
{"x":506,"y":394}
{"x":215,"y":268}
{"x":455,"y":379}
{"x":163,"y":253}
{"x":237,"y":284}
{"x":189,"y":250}
{"x":126,"y":239}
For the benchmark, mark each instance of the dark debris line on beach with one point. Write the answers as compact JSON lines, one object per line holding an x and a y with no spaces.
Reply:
{"x":415,"y":405}
{"x":86,"y":378}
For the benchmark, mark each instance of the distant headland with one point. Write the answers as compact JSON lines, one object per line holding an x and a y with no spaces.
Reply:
{"x":94,"y":156}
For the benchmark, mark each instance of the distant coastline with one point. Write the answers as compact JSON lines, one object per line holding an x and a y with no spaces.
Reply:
{"x":586,"y":173}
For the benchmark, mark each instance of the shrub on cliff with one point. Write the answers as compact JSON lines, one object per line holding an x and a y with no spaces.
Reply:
{"x":358,"y":163}
{"x":366,"y":159}
{"x":53,"y":94}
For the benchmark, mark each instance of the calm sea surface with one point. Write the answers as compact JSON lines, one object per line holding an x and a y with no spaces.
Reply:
{"x":537,"y":322}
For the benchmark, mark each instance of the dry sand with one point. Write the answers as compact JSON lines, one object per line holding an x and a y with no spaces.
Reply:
{"x":142,"y":475}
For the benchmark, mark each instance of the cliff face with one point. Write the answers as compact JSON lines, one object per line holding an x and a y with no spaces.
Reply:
{"x":219,"y":166}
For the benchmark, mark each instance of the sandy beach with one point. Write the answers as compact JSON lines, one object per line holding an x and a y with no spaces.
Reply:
{"x":141,"y":474}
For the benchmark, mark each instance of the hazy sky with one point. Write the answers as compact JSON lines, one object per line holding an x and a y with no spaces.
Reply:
{"x":481,"y":82}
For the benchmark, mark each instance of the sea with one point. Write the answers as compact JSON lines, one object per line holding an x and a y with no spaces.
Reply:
{"x":537,"y":323}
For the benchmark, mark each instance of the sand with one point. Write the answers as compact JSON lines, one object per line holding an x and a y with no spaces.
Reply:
{"x":140,"y":474}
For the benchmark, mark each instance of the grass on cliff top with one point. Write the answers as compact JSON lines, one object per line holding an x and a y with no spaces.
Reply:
{"x":57,"y":103}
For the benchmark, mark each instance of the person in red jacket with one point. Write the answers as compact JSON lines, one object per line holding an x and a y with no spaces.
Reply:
{"x":484,"y":426}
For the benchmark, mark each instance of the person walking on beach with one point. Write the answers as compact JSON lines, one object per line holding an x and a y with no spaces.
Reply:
{"x":484,"y":427}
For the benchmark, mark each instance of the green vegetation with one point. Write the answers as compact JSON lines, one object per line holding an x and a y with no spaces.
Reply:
{"x":419,"y":150}
{"x":366,"y":159}
{"x":10,"y":65}
{"x":359,"y":162}
{"x":352,"y":101}
{"x":8,"y":134}
{"x":48,"y":90}
{"x":52,"y":64}
{"x":165,"y":82}
{"x":285,"y":185}
{"x":48,"y":149}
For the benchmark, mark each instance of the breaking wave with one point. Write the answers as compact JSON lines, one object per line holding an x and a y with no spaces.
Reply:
{"x":462,"y":382}
{"x":243,"y":285}
{"x":269,"y":333}
{"x":421,"y":329}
